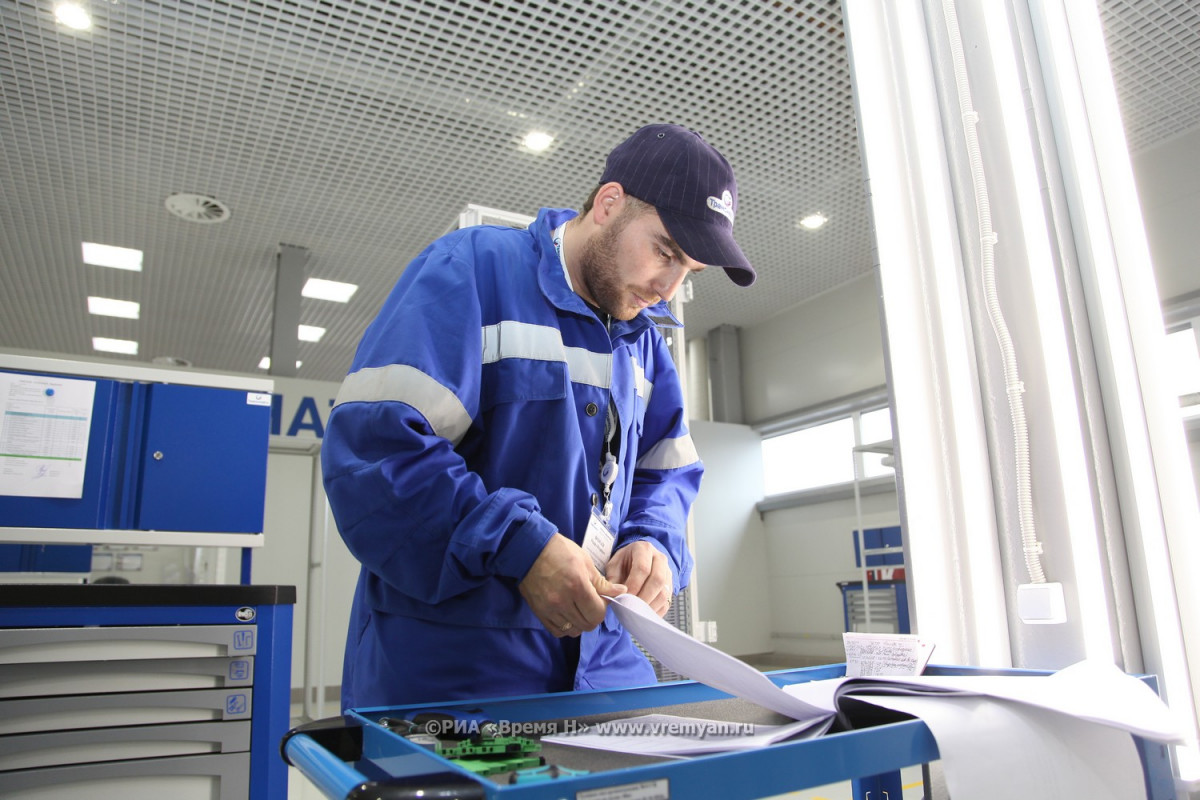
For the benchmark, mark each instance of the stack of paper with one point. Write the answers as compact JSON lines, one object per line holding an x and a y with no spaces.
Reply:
{"x":1034,"y":737}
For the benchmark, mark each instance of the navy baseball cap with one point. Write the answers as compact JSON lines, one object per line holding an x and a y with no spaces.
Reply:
{"x":691,"y":186}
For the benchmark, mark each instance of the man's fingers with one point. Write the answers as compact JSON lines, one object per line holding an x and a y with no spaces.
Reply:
{"x":563,"y":588}
{"x":661,"y":604}
{"x":604,"y":586}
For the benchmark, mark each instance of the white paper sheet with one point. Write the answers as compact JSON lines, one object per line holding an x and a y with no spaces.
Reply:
{"x":666,"y":735}
{"x":997,"y":750}
{"x":691,"y":657}
{"x":1089,"y":690}
{"x":45,"y":423}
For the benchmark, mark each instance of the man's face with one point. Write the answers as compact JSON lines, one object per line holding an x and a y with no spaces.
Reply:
{"x":633,"y":263}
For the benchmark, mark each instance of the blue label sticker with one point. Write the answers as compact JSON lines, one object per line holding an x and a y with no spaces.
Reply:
{"x":236,"y":704}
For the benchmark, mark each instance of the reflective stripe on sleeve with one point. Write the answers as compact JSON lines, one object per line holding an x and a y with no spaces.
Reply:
{"x":670,"y":454}
{"x":404,"y":384}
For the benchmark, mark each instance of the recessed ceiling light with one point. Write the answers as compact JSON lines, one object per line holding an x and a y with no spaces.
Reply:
{"x":310,"y":333}
{"x":105,"y":255}
{"x":266,"y":363}
{"x":537,"y":141}
{"x":73,"y":15}
{"x":814,"y":221}
{"x":123,"y":346}
{"x":108,"y":307}
{"x":336,"y":291}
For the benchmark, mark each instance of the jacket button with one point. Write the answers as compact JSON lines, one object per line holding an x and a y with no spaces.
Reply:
{"x":592,"y":409}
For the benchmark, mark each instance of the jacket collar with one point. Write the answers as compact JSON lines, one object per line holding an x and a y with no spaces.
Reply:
{"x":554,"y":284}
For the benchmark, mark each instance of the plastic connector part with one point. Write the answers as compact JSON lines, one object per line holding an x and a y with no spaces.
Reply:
{"x":1041,"y":603}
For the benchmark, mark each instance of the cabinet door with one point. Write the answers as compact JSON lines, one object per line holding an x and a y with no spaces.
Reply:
{"x":203,"y":460}
{"x":95,"y":507}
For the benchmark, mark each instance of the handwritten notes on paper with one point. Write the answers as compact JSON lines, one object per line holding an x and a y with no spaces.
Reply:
{"x":871,"y":654}
{"x":45,"y":423}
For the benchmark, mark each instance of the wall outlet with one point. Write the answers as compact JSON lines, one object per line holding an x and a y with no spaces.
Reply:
{"x":712,"y":630}
{"x":1041,"y":603}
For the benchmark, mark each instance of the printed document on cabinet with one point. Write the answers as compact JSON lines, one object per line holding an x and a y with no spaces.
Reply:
{"x":45,"y":422}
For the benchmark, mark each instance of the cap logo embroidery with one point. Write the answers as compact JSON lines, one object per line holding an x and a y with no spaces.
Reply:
{"x":722,"y":205}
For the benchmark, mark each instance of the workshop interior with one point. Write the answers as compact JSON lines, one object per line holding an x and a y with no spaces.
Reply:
{"x":959,"y":408}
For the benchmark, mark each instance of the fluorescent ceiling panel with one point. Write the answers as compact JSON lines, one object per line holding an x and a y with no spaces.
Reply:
{"x":123,"y":346}
{"x":106,"y":255}
{"x":108,"y":307}
{"x":321,"y":289}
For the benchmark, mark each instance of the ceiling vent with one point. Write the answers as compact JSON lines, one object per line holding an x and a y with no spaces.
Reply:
{"x":197,"y":208}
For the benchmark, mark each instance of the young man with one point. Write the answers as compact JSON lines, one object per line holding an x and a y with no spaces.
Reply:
{"x":510,"y":448}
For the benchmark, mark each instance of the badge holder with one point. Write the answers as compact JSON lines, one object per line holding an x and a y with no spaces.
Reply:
{"x":599,"y":538}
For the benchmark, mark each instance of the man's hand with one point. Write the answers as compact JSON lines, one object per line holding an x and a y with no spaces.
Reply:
{"x":563,"y":588}
{"x":644,"y":569}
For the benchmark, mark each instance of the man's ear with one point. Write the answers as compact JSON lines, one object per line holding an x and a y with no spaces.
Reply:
{"x":608,"y":202}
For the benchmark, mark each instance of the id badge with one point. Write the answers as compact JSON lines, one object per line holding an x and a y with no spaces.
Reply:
{"x":598,"y":540}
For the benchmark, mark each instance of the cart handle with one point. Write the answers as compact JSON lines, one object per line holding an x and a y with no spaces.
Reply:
{"x":322,"y":748}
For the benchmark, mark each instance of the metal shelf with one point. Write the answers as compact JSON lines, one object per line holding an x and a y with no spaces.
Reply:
{"x":105,"y":536}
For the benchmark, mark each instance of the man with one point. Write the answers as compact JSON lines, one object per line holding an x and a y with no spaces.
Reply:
{"x":510,"y":447}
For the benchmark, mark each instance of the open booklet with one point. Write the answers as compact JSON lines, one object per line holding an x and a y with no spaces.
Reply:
{"x":1039,"y":737}
{"x":1090,"y":691}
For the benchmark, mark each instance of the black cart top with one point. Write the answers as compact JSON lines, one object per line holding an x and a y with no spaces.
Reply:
{"x":76,"y":594}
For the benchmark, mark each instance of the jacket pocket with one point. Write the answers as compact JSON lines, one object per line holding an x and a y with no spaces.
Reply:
{"x":517,"y":380}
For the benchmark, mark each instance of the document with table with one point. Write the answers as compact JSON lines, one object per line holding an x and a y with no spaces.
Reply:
{"x":1039,"y":737}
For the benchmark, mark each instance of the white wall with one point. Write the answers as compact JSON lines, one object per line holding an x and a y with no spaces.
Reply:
{"x":730,"y":541}
{"x":1168,"y":181}
{"x":303,"y":547}
{"x":828,"y":347}
{"x":810,"y":549}
{"x":299,"y":552}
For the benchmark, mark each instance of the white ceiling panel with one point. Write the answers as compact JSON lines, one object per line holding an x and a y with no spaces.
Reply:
{"x":359,"y":130}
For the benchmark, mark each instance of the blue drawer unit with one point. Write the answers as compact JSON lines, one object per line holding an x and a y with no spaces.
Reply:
{"x":202,"y":459}
{"x":140,"y":691}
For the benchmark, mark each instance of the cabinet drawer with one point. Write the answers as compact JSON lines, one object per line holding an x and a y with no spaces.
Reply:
{"x":41,"y":645}
{"x":214,"y":777}
{"x":134,"y":708}
{"x":61,"y":748}
{"x":95,"y":677}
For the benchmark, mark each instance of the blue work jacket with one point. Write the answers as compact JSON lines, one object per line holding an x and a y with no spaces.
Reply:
{"x":471,"y":428}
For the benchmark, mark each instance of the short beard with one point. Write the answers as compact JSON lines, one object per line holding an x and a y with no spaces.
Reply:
{"x":598,"y":266}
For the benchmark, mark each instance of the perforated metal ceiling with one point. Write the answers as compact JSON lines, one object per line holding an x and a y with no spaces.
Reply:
{"x":359,"y":130}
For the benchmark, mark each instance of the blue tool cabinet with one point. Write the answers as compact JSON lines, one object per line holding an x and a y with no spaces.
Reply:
{"x":889,"y":606}
{"x":356,"y":755}
{"x":167,"y":691}
{"x":164,"y":457}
